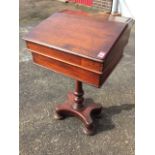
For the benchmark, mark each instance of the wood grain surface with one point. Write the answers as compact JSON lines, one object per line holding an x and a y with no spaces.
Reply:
{"x":86,"y":36}
{"x":85,"y":47}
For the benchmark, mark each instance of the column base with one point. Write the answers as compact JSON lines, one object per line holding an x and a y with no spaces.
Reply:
{"x":84,"y":114}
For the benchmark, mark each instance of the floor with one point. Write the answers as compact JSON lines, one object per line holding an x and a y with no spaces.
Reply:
{"x":41,"y":90}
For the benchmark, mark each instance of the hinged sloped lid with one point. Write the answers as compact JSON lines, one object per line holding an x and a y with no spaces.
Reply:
{"x":84,"y":35}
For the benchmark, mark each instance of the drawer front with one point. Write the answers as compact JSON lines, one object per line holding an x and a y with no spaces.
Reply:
{"x":67,"y":69}
{"x":82,"y":62}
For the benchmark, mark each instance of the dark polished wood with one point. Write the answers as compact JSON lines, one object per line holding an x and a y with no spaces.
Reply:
{"x":75,"y":106}
{"x":79,"y":35}
{"x":78,"y":100}
{"x":91,"y":45}
{"x":66,"y":69}
{"x":82,"y":46}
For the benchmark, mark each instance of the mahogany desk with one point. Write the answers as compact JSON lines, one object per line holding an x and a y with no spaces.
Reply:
{"x":84,"y":47}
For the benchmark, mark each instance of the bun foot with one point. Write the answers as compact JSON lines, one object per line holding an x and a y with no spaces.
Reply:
{"x":58,"y":116}
{"x":89,"y":131}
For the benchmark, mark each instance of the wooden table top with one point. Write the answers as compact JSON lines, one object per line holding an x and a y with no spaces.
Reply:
{"x":80,"y":34}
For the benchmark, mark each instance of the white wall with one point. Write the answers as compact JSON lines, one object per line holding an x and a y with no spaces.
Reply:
{"x":125,"y":7}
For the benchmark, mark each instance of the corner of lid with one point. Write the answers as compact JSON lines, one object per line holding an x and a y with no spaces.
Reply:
{"x":101,"y":55}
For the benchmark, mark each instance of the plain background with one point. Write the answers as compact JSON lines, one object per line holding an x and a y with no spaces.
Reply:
{"x":145,"y":77}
